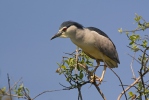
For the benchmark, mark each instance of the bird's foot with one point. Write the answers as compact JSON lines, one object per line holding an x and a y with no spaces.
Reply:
{"x":94,"y":78}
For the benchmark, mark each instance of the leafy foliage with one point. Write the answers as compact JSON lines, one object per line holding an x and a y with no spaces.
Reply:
{"x":73,"y":71}
{"x":78,"y":68}
{"x":21,"y":91}
{"x":139,"y":45}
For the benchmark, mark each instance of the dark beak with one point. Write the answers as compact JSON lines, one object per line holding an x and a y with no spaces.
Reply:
{"x":56,"y":35}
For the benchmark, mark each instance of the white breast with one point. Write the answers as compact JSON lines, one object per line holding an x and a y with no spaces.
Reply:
{"x":86,"y":43}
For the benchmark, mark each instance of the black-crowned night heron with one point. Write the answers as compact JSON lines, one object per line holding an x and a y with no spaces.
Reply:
{"x":94,"y":42}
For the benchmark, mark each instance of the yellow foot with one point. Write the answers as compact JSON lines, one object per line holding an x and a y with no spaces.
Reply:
{"x":94,"y":78}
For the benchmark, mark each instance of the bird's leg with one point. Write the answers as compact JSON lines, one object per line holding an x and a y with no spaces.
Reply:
{"x":102,"y":76}
{"x":92,"y":75}
{"x":103,"y":73}
{"x":98,"y":64}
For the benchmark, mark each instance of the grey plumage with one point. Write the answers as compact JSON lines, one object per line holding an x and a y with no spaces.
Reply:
{"x":94,"y":42}
{"x":111,"y":52}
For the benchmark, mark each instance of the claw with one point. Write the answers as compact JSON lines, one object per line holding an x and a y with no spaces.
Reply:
{"x":94,"y":78}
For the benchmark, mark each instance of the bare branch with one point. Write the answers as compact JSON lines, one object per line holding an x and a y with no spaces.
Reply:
{"x":142,"y":66}
{"x":120,"y":82}
{"x":9,"y":85}
{"x":79,"y":94}
{"x":77,"y":54}
{"x":134,"y":58}
{"x":98,"y":89}
{"x":26,"y":95}
{"x":137,"y":29}
{"x":46,"y":92}
{"x":135,"y":82}
{"x":131,"y":66}
{"x":15,"y":84}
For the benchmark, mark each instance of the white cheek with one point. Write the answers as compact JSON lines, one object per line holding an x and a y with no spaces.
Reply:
{"x":64,"y":35}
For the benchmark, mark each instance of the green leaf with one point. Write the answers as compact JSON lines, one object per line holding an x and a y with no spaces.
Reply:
{"x":59,"y":64}
{"x":131,"y":42}
{"x":21,"y":86}
{"x":137,"y":18}
{"x":144,"y":44}
{"x":120,"y":30}
{"x":147,"y":25}
{"x":3,"y":90}
{"x":134,"y":37}
{"x":66,"y":61}
{"x":130,"y":94}
{"x":140,"y":86}
{"x":27,"y":90}
{"x":67,"y":79}
{"x":71,"y":61}
{"x":63,"y":67}
{"x":81,"y":75}
{"x":135,"y":48}
{"x":89,"y":63}
{"x":58,"y":70}
{"x":127,"y":33}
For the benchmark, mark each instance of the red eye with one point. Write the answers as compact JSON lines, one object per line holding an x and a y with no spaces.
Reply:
{"x":64,"y":29}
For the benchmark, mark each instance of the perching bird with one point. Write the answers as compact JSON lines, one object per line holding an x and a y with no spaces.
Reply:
{"x":94,"y":42}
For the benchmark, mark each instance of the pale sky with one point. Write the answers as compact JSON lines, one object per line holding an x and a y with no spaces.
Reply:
{"x":26,"y":50}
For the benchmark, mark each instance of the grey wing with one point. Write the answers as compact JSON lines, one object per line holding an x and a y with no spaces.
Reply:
{"x":105,"y":44}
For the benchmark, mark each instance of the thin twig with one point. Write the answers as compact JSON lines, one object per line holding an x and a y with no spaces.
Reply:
{"x":26,"y":95}
{"x":84,"y":67}
{"x":131,"y":66}
{"x":142,"y":65}
{"x":135,"y":82}
{"x":79,"y":94}
{"x":14,"y":96}
{"x":15,"y":84}
{"x":137,"y":29}
{"x":132,"y":86}
{"x":120,"y":82}
{"x":77,"y":54}
{"x":94,"y":83}
{"x":9,"y":85}
{"x":134,"y":58}
{"x":65,"y":88}
{"x":47,"y":91}
{"x":98,"y":89}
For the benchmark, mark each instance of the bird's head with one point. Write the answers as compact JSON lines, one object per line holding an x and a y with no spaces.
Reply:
{"x":67,"y":29}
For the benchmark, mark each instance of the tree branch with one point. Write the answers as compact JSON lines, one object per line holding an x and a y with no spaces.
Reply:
{"x":79,"y":94}
{"x":9,"y":85}
{"x":120,"y":82}
{"x":135,"y":82}
{"x":131,"y":66}
{"x":46,"y":92}
{"x":98,"y":89}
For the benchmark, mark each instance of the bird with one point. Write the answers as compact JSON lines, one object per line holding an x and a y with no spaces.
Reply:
{"x":93,"y":42}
